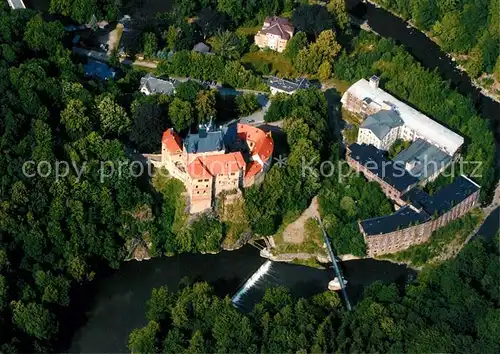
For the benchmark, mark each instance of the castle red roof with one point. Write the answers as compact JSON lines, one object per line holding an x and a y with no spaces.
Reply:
{"x":263,"y":142}
{"x":172,"y":141}
{"x":253,"y":168}
{"x":209,"y":166}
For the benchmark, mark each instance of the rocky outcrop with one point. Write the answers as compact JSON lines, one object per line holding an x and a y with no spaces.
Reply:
{"x":138,"y":249}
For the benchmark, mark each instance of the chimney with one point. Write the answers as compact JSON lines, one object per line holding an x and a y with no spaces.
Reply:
{"x":374,"y":80}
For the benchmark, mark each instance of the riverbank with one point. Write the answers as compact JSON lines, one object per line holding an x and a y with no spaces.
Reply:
{"x":493,"y":91}
{"x":118,"y":305}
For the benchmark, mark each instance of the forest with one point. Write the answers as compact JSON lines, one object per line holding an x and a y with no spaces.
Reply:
{"x":453,"y":307}
{"x":405,"y":78}
{"x":465,"y":27}
{"x":58,"y":233}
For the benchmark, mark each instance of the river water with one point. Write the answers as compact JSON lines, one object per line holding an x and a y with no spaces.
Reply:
{"x":119,"y":304}
{"x":428,"y":54}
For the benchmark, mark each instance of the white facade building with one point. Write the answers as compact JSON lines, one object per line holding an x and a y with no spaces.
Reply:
{"x":380,"y":129}
{"x":388,"y":119}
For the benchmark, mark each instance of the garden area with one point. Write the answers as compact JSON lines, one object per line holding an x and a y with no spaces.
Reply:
{"x":268,"y":62}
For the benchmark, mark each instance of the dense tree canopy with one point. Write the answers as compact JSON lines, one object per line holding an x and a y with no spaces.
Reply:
{"x":83,"y":10}
{"x":57,"y":231}
{"x":211,"y":67}
{"x":460,"y":26}
{"x":64,"y":212}
{"x":450,"y":308}
{"x":345,"y":198}
{"x":322,"y":51}
{"x":291,"y":184}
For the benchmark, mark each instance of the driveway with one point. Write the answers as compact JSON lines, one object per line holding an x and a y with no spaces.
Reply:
{"x":257,"y":118}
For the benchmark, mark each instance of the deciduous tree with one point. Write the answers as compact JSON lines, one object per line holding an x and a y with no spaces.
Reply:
{"x":150,"y":45}
{"x":205,"y":105}
{"x":181,"y":114}
{"x":34,"y":319}
{"x":113,"y":118}
{"x":325,"y":70}
{"x":144,"y":340}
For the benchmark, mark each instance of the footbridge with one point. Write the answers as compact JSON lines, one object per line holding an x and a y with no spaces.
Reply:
{"x":336,"y":267}
{"x":16,"y":4}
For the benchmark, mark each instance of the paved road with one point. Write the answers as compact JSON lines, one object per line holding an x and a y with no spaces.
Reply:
{"x":257,"y":118}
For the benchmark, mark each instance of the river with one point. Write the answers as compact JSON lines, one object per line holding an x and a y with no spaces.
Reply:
{"x":428,"y":54}
{"x":118,"y":305}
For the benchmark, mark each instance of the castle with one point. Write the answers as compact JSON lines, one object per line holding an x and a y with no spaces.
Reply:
{"x":433,"y":147}
{"x":216,"y":159}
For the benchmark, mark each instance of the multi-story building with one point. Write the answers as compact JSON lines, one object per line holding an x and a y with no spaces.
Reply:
{"x":423,"y":214}
{"x":419,"y":214}
{"x":380,"y":129}
{"x":215,"y":160}
{"x":275,"y":34}
{"x":392,"y":177}
{"x":386,"y":119}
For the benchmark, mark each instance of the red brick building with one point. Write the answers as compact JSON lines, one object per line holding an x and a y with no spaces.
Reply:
{"x":419,"y":214}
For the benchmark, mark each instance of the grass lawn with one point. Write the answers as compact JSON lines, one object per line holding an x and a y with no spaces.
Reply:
{"x":248,"y":31}
{"x":352,"y":118}
{"x":340,"y":85}
{"x":351,"y":134}
{"x":312,"y":244}
{"x":276,"y":63}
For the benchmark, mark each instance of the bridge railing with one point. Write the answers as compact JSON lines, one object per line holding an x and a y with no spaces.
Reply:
{"x":16,"y":4}
{"x":336,"y":267}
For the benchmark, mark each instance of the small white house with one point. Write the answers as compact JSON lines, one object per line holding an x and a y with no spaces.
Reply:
{"x":151,"y":85}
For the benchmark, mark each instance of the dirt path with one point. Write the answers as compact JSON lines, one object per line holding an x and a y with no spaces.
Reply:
{"x":114,"y":38}
{"x":295,"y":232}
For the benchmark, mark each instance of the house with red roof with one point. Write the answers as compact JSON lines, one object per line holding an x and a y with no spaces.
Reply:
{"x":216,"y":160}
{"x":275,"y":34}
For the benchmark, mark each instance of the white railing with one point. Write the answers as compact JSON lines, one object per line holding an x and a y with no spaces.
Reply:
{"x":16,"y":4}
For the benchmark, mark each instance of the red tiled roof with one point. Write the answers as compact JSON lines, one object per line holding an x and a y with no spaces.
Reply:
{"x":263,"y":142}
{"x":172,"y":140}
{"x":252,"y":169}
{"x":209,"y":166}
{"x":197,"y":170}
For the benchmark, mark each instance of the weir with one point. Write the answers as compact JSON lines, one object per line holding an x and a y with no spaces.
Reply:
{"x":251,"y":281}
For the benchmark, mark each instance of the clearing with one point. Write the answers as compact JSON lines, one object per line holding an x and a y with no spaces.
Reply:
{"x":268,"y":62}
